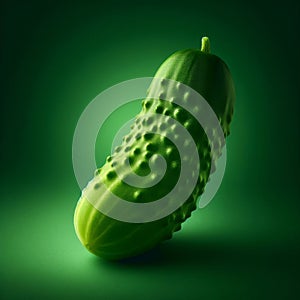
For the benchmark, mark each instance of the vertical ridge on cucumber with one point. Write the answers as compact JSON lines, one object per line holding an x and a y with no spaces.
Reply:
{"x":146,"y":144}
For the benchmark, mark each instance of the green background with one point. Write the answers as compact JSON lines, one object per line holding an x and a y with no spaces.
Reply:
{"x":56,"y":56}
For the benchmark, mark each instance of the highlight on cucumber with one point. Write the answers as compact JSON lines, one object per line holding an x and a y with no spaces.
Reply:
{"x":151,"y":183}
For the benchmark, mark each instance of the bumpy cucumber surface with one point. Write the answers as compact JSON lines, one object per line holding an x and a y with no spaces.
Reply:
{"x":113,"y":239}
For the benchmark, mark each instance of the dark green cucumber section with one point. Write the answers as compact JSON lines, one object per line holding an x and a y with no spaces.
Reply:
{"x":208,"y":75}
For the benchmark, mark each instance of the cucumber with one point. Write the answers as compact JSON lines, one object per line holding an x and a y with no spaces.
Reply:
{"x":145,"y":145}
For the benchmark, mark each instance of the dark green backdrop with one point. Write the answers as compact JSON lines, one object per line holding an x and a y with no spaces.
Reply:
{"x":56,"y":56}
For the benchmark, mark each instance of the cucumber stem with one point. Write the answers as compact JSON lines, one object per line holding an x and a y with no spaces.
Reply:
{"x":205,"y":44}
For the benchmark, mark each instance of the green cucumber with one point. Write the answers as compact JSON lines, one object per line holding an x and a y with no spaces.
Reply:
{"x":115,"y":239}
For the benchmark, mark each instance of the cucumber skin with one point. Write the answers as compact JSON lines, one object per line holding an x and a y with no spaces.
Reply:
{"x":113,"y":239}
